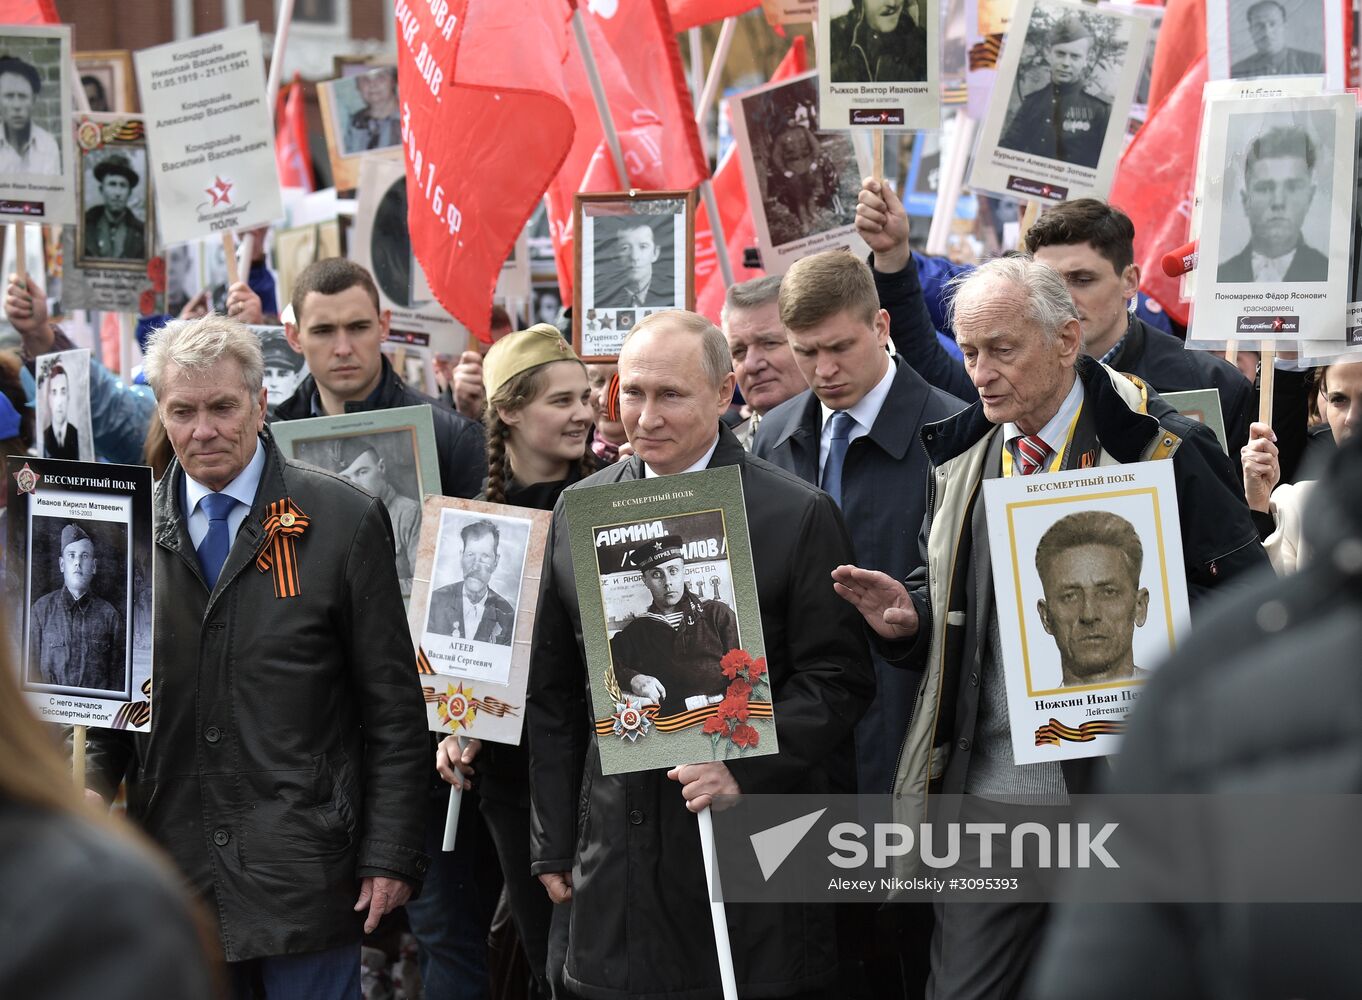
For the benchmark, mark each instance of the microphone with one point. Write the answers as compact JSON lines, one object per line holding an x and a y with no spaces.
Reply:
{"x":1180,"y":261}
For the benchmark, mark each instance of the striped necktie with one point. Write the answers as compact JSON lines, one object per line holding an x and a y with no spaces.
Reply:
{"x":1031,"y":453}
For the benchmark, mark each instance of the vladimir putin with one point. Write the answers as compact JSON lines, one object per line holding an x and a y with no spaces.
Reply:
{"x":1267,"y":25}
{"x":470,"y":608}
{"x":1278,"y":188}
{"x":113,"y":230}
{"x":76,"y":638}
{"x":1089,"y":566}
{"x":627,"y":275}
{"x":60,"y":438}
{"x":25,"y":148}
{"x":670,"y":654}
{"x":1062,"y":121}
{"x":360,"y":464}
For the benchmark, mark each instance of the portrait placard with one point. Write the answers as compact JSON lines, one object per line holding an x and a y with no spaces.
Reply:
{"x":285,"y":368}
{"x":635,"y":255}
{"x":1203,"y":406}
{"x":80,"y":567}
{"x":106,"y":78}
{"x":1057,"y":116}
{"x":1353,"y":322}
{"x":37,"y":163}
{"x":381,"y":243}
{"x":670,"y":621}
{"x":1247,"y":39}
{"x":1276,"y":220}
{"x":360,"y":117}
{"x":184,"y":276}
{"x":211,"y":134}
{"x":472,"y":614}
{"x":62,"y":406}
{"x":879,"y":64}
{"x":802,"y":184}
{"x":389,"y":454}
{"x":1091,"y":595}
{"x":413,"y":362}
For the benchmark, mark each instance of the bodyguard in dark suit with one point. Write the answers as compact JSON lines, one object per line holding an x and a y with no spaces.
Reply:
{"x":1279,"y":186}
{"x":855,"y":432}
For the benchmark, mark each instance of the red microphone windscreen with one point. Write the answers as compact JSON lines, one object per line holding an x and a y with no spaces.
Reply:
{"x":1181,"y":260}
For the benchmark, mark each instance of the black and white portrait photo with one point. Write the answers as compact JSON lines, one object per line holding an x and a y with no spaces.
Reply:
{"x":635,"y":256}
{"x":384,"y":465}
{"x":1355,"y":293}
{"x":1276,"y":38}
{"x":77,"y":637}
{"x":106,"y":78}
{"x":390,"y":245}
{"x":1089,"y":565}
{"x":802,"y":182}
{"x":361,"y":114}
{"x":34,"y":132}
{"x":115,"y":225}
{"x":475,"y":586}
{"x":669,"y":607}
{"x":877,"y":41}
{"x":284,"y":367}
{"x":183,"y":278}
{"x":63,"y":406}
{"x":1278,"y":195}
{"x":1061,"y":100}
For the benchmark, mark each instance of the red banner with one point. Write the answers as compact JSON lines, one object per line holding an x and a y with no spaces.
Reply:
{"x":28,"y":12}
{"x":640,"y":68}
{"x":693,"y":13}
{"x":486,"y":125}
{"x":290,"y":140}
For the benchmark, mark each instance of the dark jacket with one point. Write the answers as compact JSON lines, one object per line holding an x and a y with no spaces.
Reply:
{"x":685,"y":659}
{"x":1164,"y":362}
{"x":69,"y":447}
{"x":953,"y":591}
{"x":446,"y":615}
{"x":459,"y":441}
{"x":134,"y":242}
{"x":1059,"y":122}
{"x":1308,"y":265}
{"x":1269,"y":685}
{"x":640,"y":924}
{"x":859,"y":55}
{"x":87,"y":913}
{"x":1159,"y":359}
{"x":287,"y":756}
{"x":884,"y":495}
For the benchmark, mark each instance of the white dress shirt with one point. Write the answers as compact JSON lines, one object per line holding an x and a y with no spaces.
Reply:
{"x":1271,"y":269}
{"x":648,"y":472}
{"x":865,"y":411}
{"x":1056,"y":431}
{"x":40,"y":154}
{"x":242,"y":489}
{"x":472,"y":614}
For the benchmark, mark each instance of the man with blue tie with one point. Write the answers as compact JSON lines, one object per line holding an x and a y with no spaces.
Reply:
{"x":285,"y":771}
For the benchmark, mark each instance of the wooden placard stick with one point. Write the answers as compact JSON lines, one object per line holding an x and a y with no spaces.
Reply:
{"x":20,"y":254}
{"x":229,"y":249}
{"x":1266,"y":376}
{"x":1028,"y":220}
{"x":452,"y":813}
{"x":78,"y":734}
{"x":727,"y":977}
{"x":877,"y":155}
{"x":1232,"y":353}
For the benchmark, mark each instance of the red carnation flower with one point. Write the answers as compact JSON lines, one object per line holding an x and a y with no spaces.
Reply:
{"x":739,"y":688}
{"x":733,"y":708}
{"x":745,"y":736}
{"x":733,"y":661}
{"x":757,"y":669}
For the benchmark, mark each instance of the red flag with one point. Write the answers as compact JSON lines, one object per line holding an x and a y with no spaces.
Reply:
{"x":1155,"y":181}
{"x":483,"y":142}
{"x":1182,"y":41}
{"x":290,"y":145}
{"x":28,"y":12}
{"x":649,"y":105}
{"x":693,"y":13}
{"x":730,"y":194}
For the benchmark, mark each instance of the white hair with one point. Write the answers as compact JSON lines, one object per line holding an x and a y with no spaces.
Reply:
{"x":198,"y":344}
{"x":1048,"y":303}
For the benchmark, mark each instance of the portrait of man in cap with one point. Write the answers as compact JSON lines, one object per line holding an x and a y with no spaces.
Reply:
{"x":1062,"y":120}
{"x":1267,"y":24}
{"x":283,"y":365}
{"x":25,"y":146}
{"x":359,"y":462}
{"x":1089,"y":566}
{"x":670,"y":654}
{"x":76,"y":638}
{"x":1279,"y":186}
{"x":878,"y":41}
{"x":469,"y":608}
{"x":112,"y":230}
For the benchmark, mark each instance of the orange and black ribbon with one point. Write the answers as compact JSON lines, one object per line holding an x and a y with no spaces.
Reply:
{"x":490,"y":705}
{"x":1054,"y":731}
{"x":684,"y":720}
{"x":284,"y":524}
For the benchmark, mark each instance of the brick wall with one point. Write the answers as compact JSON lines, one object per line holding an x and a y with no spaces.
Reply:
{"x":124,"y":24}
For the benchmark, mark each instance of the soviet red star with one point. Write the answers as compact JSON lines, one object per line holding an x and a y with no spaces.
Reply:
{"x":220,"y":192}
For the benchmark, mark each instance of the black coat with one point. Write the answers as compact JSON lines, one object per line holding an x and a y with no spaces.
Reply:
{"x":287,"y":757}
{"x":459,"y":441}
{"x":1262,"y":701}
{"x":640,"y":924}
{"x":1308,"y":265}
{"x":1165,"y":363}
{"x":884,"y":495}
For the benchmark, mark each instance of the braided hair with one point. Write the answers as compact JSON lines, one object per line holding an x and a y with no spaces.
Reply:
{"x":515,"y":393}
